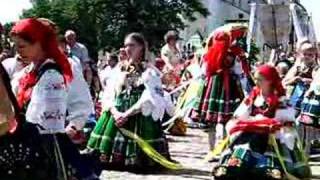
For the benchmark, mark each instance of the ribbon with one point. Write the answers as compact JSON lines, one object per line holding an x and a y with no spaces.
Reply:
{"x":183,"y":101}
{"x":150,"y":151}
{"x":301,"y":150}
{"x":276,"y":148}
{"x":179,"y":113}
{"x":218,"y":149}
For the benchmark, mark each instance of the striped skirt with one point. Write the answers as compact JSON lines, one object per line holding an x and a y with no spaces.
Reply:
{"x":121,"y":150}
{"x":214,"y":104}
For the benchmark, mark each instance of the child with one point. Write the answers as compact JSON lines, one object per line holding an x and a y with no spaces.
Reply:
{"x":135,"y":103}
{"x":300,"y":75}
{"x":262,"y":136}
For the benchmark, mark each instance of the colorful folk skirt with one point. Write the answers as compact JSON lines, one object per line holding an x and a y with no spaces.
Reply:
{"x":41,"y":156}
{"x":251,"y":155}
{"x":122,"y":150}
{"x":214,"y":104}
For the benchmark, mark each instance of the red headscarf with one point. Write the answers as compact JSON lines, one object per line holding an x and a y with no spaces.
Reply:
{"x":238,"y":33}
{"x":238,"y":51}
{"x":222,"y":43}
{"x":270,"y":74}
{"x":217,"y":52}
{"x":36,"y":31}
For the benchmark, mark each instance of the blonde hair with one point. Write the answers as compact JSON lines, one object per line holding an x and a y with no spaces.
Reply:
{"x":305,"y":45}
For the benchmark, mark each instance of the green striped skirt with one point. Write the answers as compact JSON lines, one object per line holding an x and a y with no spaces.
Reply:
{"x":214,"y":104}
{"x":261,"y":157}
{"x":121,"y":150}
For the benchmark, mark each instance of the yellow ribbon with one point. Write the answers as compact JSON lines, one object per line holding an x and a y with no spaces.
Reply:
{"x":218,"y":149}
{"x":190,"y":92}
{"x":305,"y":159}
{"x":184,"y":103}
{"x":150,"y":151}
{"x":276,"y":148}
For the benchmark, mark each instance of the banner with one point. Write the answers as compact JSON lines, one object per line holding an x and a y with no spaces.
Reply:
{"x":274,"y":23}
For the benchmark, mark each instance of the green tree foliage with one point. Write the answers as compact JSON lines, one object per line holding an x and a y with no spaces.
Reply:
{"x":4,"y":36}
{"x":103,"y":24}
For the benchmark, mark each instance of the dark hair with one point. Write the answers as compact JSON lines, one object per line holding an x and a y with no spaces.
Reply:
{"x":171,"y":35}
{"x":113,"y":57}
{"x":139,"y":38}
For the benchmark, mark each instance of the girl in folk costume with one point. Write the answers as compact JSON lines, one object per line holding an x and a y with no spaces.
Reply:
{"x":263,"y":142}
{"x":309,"y":125}
{"x":225,"y":66}
{"x":300,"y":75}
{"x":134,"y":108}
{"x":42,"y":96}
{"x":79,"y":102}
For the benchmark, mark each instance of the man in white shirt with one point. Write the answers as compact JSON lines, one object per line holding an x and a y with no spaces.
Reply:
{"x":108,"y":71}
{"x":80,"y":104}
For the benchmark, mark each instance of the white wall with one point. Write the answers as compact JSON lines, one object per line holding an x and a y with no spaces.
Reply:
{"x":219,"y":13}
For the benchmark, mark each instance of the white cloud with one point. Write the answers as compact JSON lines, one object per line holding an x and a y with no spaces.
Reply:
{"x":10,"y":10}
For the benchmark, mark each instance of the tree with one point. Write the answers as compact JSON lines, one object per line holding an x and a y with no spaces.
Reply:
{"x":104,"y":23}
{"x":4,"y":36}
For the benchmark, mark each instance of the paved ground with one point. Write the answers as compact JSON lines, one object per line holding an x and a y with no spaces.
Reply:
{"x":190,"y":151}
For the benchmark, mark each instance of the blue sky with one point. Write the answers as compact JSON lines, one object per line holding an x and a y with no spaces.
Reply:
{"x":10,"y":10}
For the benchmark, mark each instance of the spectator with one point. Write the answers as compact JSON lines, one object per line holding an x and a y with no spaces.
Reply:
{"x":282,"y":69}
{"x":75,"y":48}
{"x":106,"y":73}
{"x":283,"y":58}
{"x":299,"y":77}
{"x":170,"y":52}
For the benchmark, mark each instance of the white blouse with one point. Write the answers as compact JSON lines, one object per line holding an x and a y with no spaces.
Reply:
{"x":286,"y":135}
{"x":51,"y":99}
{"x":48,"y":104}
{"x":286,"y":114}
{"x":152,"y":101}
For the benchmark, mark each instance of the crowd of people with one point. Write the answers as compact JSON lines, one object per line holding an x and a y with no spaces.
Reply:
{"x":63,"y":114}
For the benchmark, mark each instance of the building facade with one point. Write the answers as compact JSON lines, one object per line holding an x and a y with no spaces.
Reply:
{"x":221,"y":12}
